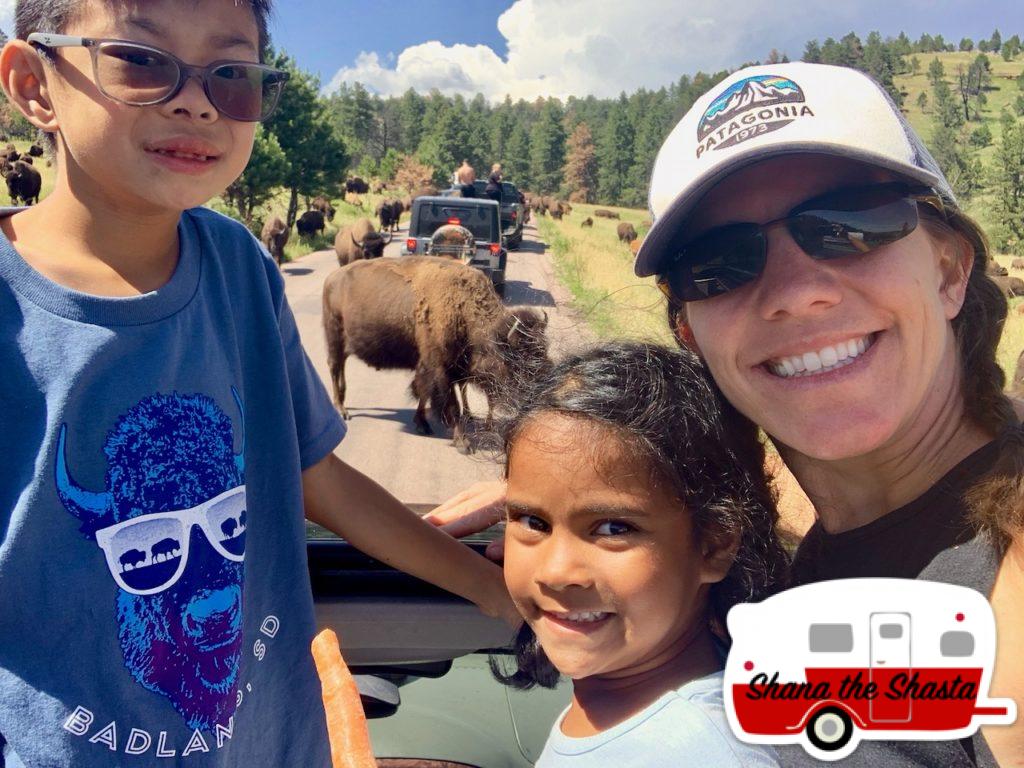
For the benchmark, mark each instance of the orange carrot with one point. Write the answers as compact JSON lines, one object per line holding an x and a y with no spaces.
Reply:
{"x":346,"y":723}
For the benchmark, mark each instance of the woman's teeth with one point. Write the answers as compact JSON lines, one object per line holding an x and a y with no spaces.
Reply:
{"x":580,"y":616}
{"x":822,"y":361}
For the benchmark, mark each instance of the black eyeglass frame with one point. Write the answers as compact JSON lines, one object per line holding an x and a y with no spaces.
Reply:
{"x":49,"y":40}
{"x":919,"y":194}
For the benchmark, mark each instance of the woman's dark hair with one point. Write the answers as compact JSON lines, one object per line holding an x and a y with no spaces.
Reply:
{"x":997,"y":501}
{"x":664,"y":407}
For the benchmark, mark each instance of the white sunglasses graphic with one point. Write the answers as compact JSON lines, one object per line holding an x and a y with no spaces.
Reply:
{"x":148,"y":554}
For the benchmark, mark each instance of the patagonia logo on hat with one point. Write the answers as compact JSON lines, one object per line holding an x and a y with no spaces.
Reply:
{"x":748,"y":108}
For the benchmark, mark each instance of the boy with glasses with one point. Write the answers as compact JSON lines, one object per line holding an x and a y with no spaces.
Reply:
{"x":159,"y":408}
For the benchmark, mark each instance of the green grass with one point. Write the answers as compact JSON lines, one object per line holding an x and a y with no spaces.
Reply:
{"x":1001,"y":94}
{"x":597,"y":270}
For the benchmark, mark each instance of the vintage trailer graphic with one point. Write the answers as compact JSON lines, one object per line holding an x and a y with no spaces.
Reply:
{"x":826,"y":665}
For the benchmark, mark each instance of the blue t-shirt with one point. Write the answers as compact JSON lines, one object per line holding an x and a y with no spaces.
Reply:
{"x":683,"y":727}
{"x":142,"y":439}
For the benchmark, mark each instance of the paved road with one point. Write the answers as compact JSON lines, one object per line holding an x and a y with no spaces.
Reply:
{"x":381,"y":440}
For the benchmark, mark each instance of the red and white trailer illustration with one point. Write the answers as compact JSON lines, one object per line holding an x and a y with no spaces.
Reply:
{"x":828,"y":664}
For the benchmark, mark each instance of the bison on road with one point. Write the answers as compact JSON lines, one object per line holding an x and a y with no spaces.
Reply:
{"x":626,"y":232}
{"x":439,"y":318}
{"x":359,"y":241}
{"x":274,"y":237}
{"x":389,"y":212}
{"x":309,"y":224}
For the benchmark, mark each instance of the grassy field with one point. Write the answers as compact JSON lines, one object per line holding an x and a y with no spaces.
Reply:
{"x":598,"y":271}
{"x":1001,"y":94}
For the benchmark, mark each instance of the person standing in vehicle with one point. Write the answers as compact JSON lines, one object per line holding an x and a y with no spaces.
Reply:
{"x":465,"y":178}
{"x":493,"y":189}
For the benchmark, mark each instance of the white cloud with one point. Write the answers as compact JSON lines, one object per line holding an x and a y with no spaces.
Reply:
{"x":7,"y":17}
{"x":581,"y":47}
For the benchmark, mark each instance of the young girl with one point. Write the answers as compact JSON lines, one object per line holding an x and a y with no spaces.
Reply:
{"x":638,"y":514}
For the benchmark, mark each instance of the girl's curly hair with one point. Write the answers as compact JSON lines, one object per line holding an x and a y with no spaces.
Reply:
{"x":662,"y":404}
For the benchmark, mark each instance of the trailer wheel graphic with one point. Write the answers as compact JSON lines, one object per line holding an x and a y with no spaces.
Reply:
{"x":830,"y":729}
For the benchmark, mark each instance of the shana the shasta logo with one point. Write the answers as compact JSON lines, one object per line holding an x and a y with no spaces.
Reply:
{"x":748,"y":108}
{"x":826,"y":665}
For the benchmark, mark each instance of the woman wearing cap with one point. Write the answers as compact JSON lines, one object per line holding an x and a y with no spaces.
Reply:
{"x":814,"y":255}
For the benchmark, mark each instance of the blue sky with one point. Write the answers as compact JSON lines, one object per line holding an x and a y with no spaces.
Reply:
{"x":325,"y":35}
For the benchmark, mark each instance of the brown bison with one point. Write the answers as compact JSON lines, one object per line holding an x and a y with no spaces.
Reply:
{"x":23,"y":183}
{"x":604,"y":213}
{"x":35,"y":150}
{"x":1011,"y":286}
{"x":309,"y":224}
{"x":626,"y":232}
{"x":356,"y":185}
{"x":634,"y":246}
{"x":993,"y":269}
{"x":1017,"y":264}
{"x":1017,"y":385}
{"x":322,"y":204}
{"x":437,"y":317}
{"x":389,"y":212}
{"x":587,"y":222}
{"x":359,"y":241}
{"x":274,"y":236}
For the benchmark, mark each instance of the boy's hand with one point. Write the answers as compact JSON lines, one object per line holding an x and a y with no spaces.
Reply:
{"x":473,"y":510}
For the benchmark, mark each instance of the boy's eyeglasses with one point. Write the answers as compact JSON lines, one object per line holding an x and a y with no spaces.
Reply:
{"x":147,"y":554}
{"x":844,"y":222}
{"x":140,"y":75}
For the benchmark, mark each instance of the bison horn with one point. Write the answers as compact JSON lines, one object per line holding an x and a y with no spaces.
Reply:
{"x":355,"y":242}
{"x":512,"y":331}
{"x":83,"y":504}
{"x":240,"y":456}
{"x":545,"y":314}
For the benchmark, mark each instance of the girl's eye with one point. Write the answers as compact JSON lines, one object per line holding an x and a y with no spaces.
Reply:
{"x":530,"y":522}
{"x":613,"y":528}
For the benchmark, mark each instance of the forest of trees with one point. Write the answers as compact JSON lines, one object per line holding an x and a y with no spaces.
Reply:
{"x":602,"y":150}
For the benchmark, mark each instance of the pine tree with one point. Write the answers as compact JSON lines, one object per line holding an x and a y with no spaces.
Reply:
{"x":265,"y":174}
{"x":812,"y":52}
{"x":444,"y":142}
{"x":501,"y":123}
{"x":580,"y":171}
{"x":614,"y":154}
{"x":966,"y":44}
{"x":922,"y":101}
{"x":949,"y":145}
{"x":936,"y":72}
{"x":317,"y":156}
{"x":547,"y":148}
{"x":516,"y":166}
{"x":411,"y":108}
{"x":995,"y":42}
{"x":1008,"y":185}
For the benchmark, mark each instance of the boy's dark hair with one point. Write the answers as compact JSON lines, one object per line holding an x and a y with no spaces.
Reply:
{"x":55,"y":16}
{"x":663,"y":404}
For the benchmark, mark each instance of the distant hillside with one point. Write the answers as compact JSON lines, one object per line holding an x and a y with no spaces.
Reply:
{"x":1001,"y":94}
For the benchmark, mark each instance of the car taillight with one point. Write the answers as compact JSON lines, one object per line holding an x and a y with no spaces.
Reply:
{"x":515,"y":215}
{"x":410,"y":245}
{"x":495,"y":248}
{"x":454,"y":221}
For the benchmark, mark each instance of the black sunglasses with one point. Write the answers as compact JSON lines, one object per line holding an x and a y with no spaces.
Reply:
{"x":844,"y":222}
{"x":141,"y":75}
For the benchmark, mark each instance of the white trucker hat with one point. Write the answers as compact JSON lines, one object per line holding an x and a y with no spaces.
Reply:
{"x":777,"y":109}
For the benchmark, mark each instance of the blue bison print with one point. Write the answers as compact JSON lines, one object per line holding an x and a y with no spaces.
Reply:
{"x":171,"y":524}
